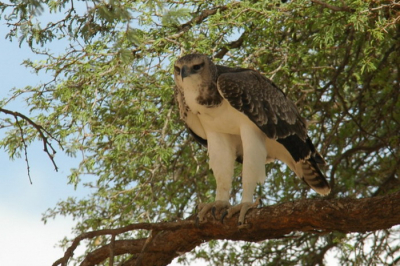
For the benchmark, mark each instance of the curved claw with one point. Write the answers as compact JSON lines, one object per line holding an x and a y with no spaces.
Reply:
{"x":215,"y":207}
{"x":242,"y":208}
{"x":213,"y":212}
{"x":224,"y":214}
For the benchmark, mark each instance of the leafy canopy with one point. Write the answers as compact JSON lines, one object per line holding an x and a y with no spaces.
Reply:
{"x":110,"y":103}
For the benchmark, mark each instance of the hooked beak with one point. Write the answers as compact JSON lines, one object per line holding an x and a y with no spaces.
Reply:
{"x":185,"y":72}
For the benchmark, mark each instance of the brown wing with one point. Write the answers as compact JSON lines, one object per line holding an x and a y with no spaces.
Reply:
{"x":269,"y":108}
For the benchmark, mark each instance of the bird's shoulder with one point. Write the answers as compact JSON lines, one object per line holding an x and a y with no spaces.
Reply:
{"x":262,"y":101}
{"x":246,"y":78}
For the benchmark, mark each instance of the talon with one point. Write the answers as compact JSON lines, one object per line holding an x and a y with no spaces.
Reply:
{"x":213,"y":212}
{"x":215,"y":207}
{"x":242,"y":208}
{"x":223,"y":216}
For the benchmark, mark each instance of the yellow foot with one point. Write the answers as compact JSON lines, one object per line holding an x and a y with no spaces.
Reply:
{"x":216,"y":206}
{"x":242,"y":208}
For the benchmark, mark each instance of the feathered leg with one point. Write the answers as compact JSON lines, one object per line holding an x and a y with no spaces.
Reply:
{"x":254,"y":154}
{"x":222,"y":159}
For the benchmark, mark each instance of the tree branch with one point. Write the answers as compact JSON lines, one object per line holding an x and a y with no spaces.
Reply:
{"x":202,"y":16}
{"x":42,"y":133}
{"x":318,"y":216}
{"x":197,"y":19}
{"x":232,"y":45}
{"x":21,"y":131}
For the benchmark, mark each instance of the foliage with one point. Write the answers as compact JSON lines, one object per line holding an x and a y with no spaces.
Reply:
{"x":110,"y":103}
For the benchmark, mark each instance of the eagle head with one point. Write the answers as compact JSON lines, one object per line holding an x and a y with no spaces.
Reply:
{"x":198,"y":68}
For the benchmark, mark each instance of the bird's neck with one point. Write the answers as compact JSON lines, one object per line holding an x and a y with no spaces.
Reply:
{"x":209,"y":95}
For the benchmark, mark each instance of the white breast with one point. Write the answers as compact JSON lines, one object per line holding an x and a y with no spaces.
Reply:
{"x":222,"y":118}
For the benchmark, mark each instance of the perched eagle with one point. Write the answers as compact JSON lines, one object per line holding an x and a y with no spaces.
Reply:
{"x":240,"y":115}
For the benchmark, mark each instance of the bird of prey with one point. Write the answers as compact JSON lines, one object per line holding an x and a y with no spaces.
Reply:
{"x":240,"y":115}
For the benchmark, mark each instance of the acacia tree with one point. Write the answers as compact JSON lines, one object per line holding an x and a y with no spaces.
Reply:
{"x":110,"y":101}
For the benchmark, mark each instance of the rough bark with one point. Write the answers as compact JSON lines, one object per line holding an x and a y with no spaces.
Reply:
{"x":320,"y":216}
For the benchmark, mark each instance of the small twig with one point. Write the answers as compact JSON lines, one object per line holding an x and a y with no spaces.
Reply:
{"x":25,"y":149}
{"x":42,"y":131}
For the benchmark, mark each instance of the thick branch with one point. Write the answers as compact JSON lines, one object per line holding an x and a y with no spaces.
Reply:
{"x":320,"y":216}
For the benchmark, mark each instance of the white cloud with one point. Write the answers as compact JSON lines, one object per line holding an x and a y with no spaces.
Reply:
{"x":25,"y":240}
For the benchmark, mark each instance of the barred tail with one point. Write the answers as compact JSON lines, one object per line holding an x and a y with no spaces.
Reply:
{"x":313,"y":176}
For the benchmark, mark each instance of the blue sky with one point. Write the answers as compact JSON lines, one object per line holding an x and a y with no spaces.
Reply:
{"x":25,"y":239}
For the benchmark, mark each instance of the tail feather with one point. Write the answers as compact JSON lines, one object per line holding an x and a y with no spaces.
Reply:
{"x":313,"y":176}
{"x":318,"y":158}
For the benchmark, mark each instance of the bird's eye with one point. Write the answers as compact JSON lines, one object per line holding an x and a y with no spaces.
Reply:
{"x":177,"y":69}
{"x":197,"y":67}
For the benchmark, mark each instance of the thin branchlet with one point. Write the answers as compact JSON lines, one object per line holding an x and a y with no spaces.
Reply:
{"x":43,"y":133}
